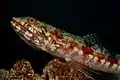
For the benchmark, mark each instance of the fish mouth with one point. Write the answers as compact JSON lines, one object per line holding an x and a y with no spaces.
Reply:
{"x":16,"y":24}
{"x":19,"y":28}
{"x":14,"y":21}
{"x":24,"y":33}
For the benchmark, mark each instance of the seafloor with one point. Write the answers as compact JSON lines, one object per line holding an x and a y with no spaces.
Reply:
{"x":56,"y":69}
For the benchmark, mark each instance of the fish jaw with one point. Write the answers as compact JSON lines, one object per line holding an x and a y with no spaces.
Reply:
{"x":36,"y":34}
{"x":30,"y":31}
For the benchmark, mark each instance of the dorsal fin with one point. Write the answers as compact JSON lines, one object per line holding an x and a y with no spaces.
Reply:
{"x":92,"y":41}
{"x":95,"y":42}
{"x":90,"y":38}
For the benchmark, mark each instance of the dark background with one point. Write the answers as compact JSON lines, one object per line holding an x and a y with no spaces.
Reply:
{"x":78,"y":17}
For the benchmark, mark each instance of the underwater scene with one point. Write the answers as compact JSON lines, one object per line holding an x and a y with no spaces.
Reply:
{"x":59,"y":40}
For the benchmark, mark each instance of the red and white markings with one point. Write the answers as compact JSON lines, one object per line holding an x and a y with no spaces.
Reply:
{"x":118,"y":68}
{"x":114,"y":67}
{"x":107,"y":64}
{"x":99,"y":61}
{"x":100,"y":56}
{"x":102,"y":61}
{"x":87,"y":50}
{"x":112,"y":60}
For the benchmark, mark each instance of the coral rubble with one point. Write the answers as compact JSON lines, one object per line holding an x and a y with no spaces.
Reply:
{"x":60,"y":70}
{"x":22,"y":70}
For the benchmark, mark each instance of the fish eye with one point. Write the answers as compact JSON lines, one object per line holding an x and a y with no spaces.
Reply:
{"x":31,"y":20}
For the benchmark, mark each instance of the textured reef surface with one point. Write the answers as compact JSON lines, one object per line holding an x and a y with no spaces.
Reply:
{"x":22,"y":70}
{"x":56,"y":69}
{"x":60,"y":70}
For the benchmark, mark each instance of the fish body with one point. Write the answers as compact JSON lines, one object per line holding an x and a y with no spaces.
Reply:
{"x":65,"y":45}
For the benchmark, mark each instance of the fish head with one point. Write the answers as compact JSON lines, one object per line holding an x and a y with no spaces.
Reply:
{"x":32,"y":31}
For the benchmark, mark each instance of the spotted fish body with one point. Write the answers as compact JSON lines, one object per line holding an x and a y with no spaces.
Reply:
{"x":65,"y":45}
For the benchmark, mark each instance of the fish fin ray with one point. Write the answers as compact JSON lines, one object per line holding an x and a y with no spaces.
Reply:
{"x":92,"y":41}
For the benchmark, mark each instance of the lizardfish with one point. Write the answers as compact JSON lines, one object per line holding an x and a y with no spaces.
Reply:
{"x":65,"y":45}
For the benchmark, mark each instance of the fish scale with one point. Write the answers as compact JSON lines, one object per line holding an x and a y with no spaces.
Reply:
{"x":66,"y":45}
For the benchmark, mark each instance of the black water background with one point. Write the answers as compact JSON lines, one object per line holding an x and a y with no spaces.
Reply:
{"x":77,"y":17}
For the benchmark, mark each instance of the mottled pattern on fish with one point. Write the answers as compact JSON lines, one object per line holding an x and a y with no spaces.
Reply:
{"x":65,"y":45}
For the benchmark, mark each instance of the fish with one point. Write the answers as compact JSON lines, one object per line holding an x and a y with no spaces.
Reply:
{"x":86,"y":50}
